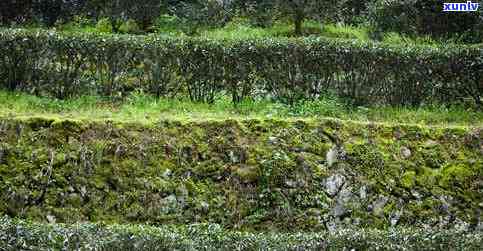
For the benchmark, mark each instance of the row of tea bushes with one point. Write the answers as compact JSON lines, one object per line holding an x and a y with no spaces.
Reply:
{"x":17,"y":234}
{"x":288,"y":70}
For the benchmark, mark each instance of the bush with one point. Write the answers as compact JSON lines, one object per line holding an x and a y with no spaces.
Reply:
{"x":104,"y":26}
{"x":17,"y":234}
{"x":196,"y":14}
{"x":130,"y":27}
{"x":169,"y":24}
{"x":423,"y":17}
{"x":64,"y":65}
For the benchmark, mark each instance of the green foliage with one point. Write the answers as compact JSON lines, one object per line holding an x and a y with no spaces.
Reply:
{"x":31,"y":235}
{"x":242,"y":29}
{"x":130,"y":27}
{"x":246,"y":173}
{"x":140,"y":107}
{"x":196,"y":14}
{"x":456,"y":175}
{"x":287,"y":70}
{"x":345,"y":31}
{"x":423,"y":17}
{"x":79,"y":24}
{"x":398,"y":39}
{"x":104,"y":26}
{"x":408,"y":180}
{"x":169,"y":24}
{"x":12,"y":11}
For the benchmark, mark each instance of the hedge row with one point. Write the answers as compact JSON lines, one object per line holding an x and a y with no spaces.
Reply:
{"x":16,"y":234}
{"x":65,"y":65}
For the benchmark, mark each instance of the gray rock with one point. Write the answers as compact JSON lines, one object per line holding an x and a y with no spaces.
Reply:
{"x":444,"y":207}
{"x":51,"y":218}
{"x":169,"y":204}
{"x":234,"y":158}
{"x":291,"y":183}
{"x":333,"y":184}
{"x":205,"y":206}
{"x":167,"y":173}
{"x":394,"y":218}
{"x":171,"y":199}
{"x":345,"y":195}
{"x":339,"y":210}
{"x":331,"y":226}
{"x":83,"y":191}
{"x":405,"y":152}
{"x":343,"y":198}
{"x":461,"y":225}
{"x":479,"y":226}
{"x":378,"y":206}
{"x":444,"y":220}
{"x":416,"y":194}
{"x":272,"y":140}
{"x":363,"y":192}
{"x":120,"y":151}
{"x":332,"y":156}
{"x":356,"y":221}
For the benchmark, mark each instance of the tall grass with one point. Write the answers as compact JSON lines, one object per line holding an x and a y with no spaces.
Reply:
{"x":139,"y":107}
{"x":240,"y":28}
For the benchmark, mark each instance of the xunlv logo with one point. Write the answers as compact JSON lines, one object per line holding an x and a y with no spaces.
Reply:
{"x":468,"y":6}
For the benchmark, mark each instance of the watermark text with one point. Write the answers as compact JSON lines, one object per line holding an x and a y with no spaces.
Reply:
{"x":461,"y":7}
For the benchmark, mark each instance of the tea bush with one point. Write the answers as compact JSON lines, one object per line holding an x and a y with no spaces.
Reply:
{"x":17,"y":234}
{"x":66,"y":64}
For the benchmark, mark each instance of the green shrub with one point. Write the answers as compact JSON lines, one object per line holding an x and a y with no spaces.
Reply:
{"x":168,"y":24}
{"x":104,"y":26}
{"x":345,"y":31}
{"x":284,"y":69}
{"x":130,"y":27}
{"x":398,"y":39}
{"x":19,"y":234}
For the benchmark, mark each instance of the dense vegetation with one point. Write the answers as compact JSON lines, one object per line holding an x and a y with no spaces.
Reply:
{"x":27,"y":235}
{"x":250,"y":174}
{"x":141,"y":108}
{"x":415,"y":17}
{"x":66,"y":65}
{"x":240,"y":125}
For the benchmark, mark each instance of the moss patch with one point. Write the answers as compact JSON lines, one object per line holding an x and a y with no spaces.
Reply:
{"x":253,"y":174}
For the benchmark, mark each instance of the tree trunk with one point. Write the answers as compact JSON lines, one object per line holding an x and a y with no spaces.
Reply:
{"x":298,"y":20}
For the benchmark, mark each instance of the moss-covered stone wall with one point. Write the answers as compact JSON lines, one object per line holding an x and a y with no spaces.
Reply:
{"x":253,"y":174}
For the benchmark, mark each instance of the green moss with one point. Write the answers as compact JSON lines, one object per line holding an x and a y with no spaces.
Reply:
{"x":408,"y":180}
{"x":457,"y":175}
{"x":247,"y":174}
{"x":254,"y":174}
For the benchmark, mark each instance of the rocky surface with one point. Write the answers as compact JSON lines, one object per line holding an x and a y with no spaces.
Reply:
{"x":244,"y":175}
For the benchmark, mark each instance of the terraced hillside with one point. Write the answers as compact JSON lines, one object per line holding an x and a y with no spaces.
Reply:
{"x":245,"y":175}
{"x":150,"y":142}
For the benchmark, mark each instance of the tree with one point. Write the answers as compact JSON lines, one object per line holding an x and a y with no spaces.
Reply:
{"x":300,"y":10}
{"x":17,"y":11}
{"x":199,"y":13}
